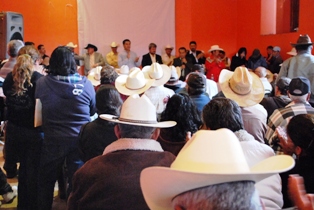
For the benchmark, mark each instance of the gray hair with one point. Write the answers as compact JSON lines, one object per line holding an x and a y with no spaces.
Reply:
{"x":232,"y":195}
{"x":134,"y":131}
{"x":14,"y":46}
{"x":301,"y":99}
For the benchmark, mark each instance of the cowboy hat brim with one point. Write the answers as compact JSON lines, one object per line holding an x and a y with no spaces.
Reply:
{"x":163,"y":80}
{"x":120,"y":84}
{"x":254,"y":97}
{"x":161,"y":184}
{"x":91,"y":77}
{"x":112,"y":118}
{"x":213,"y":49}
{"x":299,"y":44}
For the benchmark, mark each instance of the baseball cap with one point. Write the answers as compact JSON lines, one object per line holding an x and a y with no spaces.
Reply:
{"x":283,"y":83}
{"x":299,"y":86}
{"x":276,"y":48}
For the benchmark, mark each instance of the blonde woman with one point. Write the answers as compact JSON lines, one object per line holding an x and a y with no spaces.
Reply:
{"x":22,"y":139}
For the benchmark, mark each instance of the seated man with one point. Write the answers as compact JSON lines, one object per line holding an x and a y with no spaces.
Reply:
{"x":210,"y":172}
{"x":112,"y":181}
{"x":184,"y":62}
{"x":151,"y":57}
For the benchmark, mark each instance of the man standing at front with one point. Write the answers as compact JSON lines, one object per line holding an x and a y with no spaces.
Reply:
{"x":128,"y":57}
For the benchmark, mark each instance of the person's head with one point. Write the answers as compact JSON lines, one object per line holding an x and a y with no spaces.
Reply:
{"x":242,"y":52}
{"x":198,"y":68}
{"x":30,"y":43}
{"x":304,"y":43}
{"x":282,"y":86}
{"x":136,"y":132}
{"x":269,"y":50}
{"x":41,"y":48}
{"x":276,"y":51}
{"x":215,"y":53}
{"x":114,"y":47}
{"x":261,"y":72}
{"x":180,"y":108}
{"x":195,"y":83}
{"x":168,"y":51}
{"x":108,"y":100}
{"x":193,"y":46}
{"x":182,"y":52}
{"x":301,"y":131}
{"x":108,"y":75}
{"x":230,"y":195}
{"x":222,"y":54}
{"x":222,"y":113}
{"x":152,"y":48}
{"x":22,"y":73}
{"x":13,"y":47}
{"x":32,"y":51}
{"x":300,"y":89}
{"x":62,"y":62}
{"x":126,"y":44}
{"x":256,"y":53}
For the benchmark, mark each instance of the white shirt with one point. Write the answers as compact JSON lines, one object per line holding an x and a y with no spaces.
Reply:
{"x":166,"y":59}
{"x":153,"y":57}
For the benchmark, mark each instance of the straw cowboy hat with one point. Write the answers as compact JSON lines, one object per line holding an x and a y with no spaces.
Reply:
{"x":293,"y":52}
{"x":124,"y":69}
{"x":242,"y":86}
{"x":138,"y":111}
{"x":302,"y":40}
{"x":134,"y":83}
{"x":215,"y":47}
{"x":94,"y":76}
{"x":114,"y":44}
{"x":175,"y":73}
{"x":168,"y":46}
{"x":160,"y":72}
{"x":71,"y":45}
{"x":202,"y":162}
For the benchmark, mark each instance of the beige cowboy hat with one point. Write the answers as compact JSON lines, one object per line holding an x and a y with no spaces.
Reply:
{"x":175,"y":73}
{"x":293,"y":52}
{"x":94,"y":76}
{"x":134,"y":83}
{"x":114,"y":44}
{"x":138,"y":111}
{"x":124,"y":69}
{"x":215,"y":47}
{"x":168,"y":46}
{"x":242,"y":86}
{"x":160,"y":72}
{"x":71,"y":45}
{"x":202,"y":162}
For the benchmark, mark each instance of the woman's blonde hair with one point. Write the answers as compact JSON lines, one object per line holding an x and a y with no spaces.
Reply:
{"x":22,"y":73}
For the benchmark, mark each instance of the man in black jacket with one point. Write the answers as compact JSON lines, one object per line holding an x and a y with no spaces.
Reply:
{"x":197,"y":56}
{"x":151,"y":57}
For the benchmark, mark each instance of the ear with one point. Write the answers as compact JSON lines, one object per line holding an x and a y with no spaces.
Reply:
{"x":155,"y":134}
{"x":298,"y":151}
{"x":117,"y":131}
{"x":177,"y":207}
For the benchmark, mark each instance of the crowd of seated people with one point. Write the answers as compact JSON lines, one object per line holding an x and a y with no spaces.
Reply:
{"x":161,"y":132}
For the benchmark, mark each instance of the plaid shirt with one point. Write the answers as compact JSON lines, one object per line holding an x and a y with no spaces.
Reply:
{"x":281,"y":117}
{"x":72,"y":78}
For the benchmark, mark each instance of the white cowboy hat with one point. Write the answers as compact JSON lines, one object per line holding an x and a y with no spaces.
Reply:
{"x":114,"y":44}
{"x":138,"y":111}
{"x":215,"y":47}
{"x":293,"y":52}
{"x":168,"y":46}
{"x":124,"y":69}
{"x":94,"y":76}
{"x":242,"y":86}
{"x":160,"y":72}
{"x":134,"y":83}
{"x":209,"y":158}
{"x":175,"y":73}
{"x":70,"y":44}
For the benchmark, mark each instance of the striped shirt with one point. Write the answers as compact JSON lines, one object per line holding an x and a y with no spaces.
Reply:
{"x":281,"y":117}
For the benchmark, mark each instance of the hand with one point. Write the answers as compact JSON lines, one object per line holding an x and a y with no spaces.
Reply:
{"x":95,"y":65}
{"x":183,"y":60}
{"x":170,"y":63}
{"x":298,"y":194}
{"x":201,"y":55}
{"x":136,"y":59}
{"x":285,"y":142}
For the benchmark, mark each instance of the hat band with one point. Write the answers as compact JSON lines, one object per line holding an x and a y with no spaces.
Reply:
{"x":135,"y":88}
{"x":237,"y":92}
{"x":137,"y":121}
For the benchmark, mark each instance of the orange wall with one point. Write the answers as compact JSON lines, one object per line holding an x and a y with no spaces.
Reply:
{"x":229,"y":23}
{"x":48,"y":22}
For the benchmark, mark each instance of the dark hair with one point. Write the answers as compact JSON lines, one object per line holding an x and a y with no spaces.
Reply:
{"x":270,"y":47}
{"x":134,"y":131}
{"x":62,"y":62}
{"x":182,"y":48}
{"x":198,"y":68}
{"x":222,"y":113}
{"x":126,"y":40}
{"x":180,"y":108}
{"x":108,"y":75}
{"x":39,"y":46}
{"x":108,"y":100}
{"x":241,"y":50}
{"x":301,"y":131}
{"x":29,"y":43}
{"x":192,"y":42}
{"x":302,"y":47}
{"x":152,"y":45}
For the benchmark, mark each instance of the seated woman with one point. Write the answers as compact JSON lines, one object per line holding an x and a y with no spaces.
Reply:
{"x":180,"y":108}
{"x":98,"y":134}
{"x":299,"y":142}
